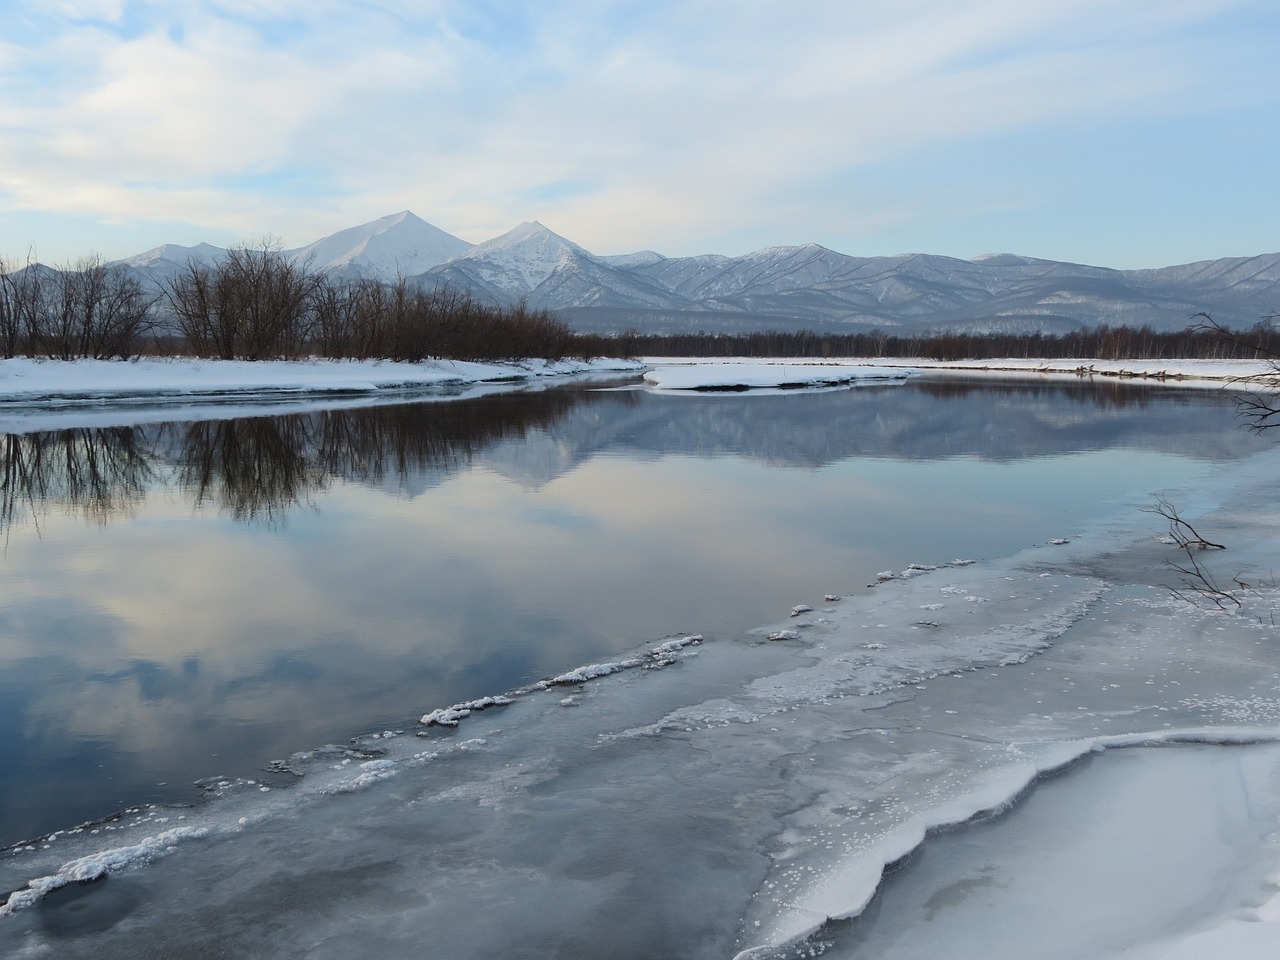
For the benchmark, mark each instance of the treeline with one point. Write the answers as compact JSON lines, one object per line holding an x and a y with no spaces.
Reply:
{"x":89,"y":310}
{"x":257,"y":304}
{"x":1204,"y":341}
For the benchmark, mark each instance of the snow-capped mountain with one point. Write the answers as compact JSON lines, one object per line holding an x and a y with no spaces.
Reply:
{"x":780,"y":288}
{"x":512,"y":265}
{"x":397,"y":245}
{"x":158,"y":265}
{"x":536,"y":264}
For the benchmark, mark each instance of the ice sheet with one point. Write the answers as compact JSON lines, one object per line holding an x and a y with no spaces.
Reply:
{"x":1087,"y":866}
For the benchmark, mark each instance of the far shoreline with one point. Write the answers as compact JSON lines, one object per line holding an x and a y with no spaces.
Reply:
{"x":43,"y":383}
{"x":1248,"y":374}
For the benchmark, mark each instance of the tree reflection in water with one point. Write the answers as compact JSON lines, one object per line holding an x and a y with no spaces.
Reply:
{"x":257,"y":468}
{"x":99,"y":472}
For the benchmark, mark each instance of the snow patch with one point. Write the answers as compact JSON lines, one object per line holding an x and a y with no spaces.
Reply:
{"x":704,"y":376}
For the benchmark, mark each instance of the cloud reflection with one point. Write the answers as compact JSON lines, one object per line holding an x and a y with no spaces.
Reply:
{"x":246,"y":588}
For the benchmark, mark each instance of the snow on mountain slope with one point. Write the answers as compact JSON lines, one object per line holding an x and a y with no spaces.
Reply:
{"x":768,"y":270}
{"x":399,"y":245}
{"x":781,"y":287}
{"x":537,"y":264}
{"x":165,"y":261}
{"x":579,"y":281}
{"x":155,"y":268}
{"x":1238,"y":273}
{"x":628,"y":261}
{"x":522,"y":257}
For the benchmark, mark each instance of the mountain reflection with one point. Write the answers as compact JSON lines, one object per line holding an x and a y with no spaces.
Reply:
{"x":260,"y":468}
{"x":1102,"y":393}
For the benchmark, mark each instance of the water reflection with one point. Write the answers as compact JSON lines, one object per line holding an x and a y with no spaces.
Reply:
{"x":98,"y":472}
{"x":259,"y":468}
{"x":249,"y":587}
{"x":1103,"y":392}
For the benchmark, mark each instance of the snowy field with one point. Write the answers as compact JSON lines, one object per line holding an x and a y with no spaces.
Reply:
{"x":738,"y":797}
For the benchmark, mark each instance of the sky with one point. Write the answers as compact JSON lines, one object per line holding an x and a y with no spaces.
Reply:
{"x":1122,"y":133}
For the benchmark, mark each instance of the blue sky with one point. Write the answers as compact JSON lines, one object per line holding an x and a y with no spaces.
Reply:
{"x":1127,"y":133}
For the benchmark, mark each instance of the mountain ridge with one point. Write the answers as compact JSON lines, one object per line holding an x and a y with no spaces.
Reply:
{"x":806,"y":286}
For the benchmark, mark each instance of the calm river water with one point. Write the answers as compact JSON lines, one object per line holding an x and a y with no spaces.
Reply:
{"x":186,"y":600}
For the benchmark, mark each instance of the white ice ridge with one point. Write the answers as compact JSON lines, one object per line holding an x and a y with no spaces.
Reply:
{"x":352,"y":772}
{"x":663,"y":655}
{"x":97,"y":865}
{"x":451,"y":716}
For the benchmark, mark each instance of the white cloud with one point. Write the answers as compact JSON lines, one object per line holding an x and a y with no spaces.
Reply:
{"x":666,"y":116}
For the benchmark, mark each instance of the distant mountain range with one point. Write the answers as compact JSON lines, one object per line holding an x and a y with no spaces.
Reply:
{"x":777,"y":288}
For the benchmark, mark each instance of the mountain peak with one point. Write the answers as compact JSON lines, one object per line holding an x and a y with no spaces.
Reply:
{"x":530,"y":250}
{"x":399,"y":244}
{"x":531,"y":231}
{"x":175,"y":254}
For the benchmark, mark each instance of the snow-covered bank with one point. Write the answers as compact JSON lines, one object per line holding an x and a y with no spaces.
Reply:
{"x":47,"y":383}
{"x":690,"y":373}
{"x":787,"y":375}
{"x":1087,"y":861}
{"x":27,"y":381}
{"x":52,"y":394}
{"x":1192,"y":371}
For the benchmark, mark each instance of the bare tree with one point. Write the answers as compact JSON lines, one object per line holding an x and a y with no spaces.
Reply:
{"x":121,"y":313}
{"x":20,"y":296}
{"x":338,"y":317}
{"x":255,"y":304}
{"x":1261,"y":407}
{"x":90,"y":310}
{"x":208,"y":329}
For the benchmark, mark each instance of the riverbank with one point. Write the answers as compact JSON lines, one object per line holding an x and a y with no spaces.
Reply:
{"x":1245,"y":374}
{"x":26,"y":381}
{"x":50,"y":382}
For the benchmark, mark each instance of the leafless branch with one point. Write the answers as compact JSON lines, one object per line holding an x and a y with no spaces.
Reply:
{"x":1183,"y":533}
{"x":1261,"y":408}
{"x":1198,"y":585}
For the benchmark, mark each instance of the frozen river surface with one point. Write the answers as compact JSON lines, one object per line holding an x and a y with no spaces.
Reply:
{"x":739,"y":792}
